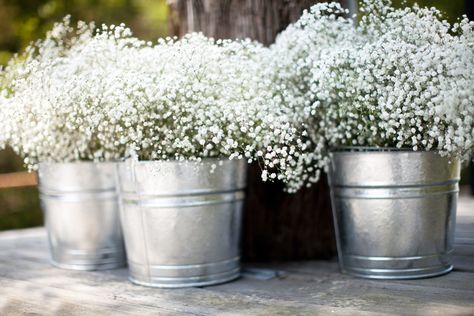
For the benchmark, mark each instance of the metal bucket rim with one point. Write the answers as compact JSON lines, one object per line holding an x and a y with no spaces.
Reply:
{"x":373,"y":149}
{"x":362,"y":150}
{"x":186,"y":161}
{"x":77,"y":162}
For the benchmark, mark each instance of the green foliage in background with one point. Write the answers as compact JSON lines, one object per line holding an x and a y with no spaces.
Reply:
{"x":23,"y":21}
{"x":453,"y":9}
{"x":19,"y":208}
{"x":10,"y":162}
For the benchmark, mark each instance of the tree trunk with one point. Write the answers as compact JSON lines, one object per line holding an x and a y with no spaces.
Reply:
{"x":260,"y":20}
{"x":276,"y":225}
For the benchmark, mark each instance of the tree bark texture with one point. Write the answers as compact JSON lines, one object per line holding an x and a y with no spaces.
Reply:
{"x":260,"y":20}
{"x":276,"y":225}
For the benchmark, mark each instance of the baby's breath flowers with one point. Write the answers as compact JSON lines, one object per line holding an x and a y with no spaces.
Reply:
{"x":400,"y":78}
{"x":207,"y":98}
{"x":410,"y":84}
{"x":296,"y":59}
{"x":87,"y":94}
{"x":61,"y":91}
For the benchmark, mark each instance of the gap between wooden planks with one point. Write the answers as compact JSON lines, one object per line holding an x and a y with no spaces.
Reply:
{"x":18,"y":179}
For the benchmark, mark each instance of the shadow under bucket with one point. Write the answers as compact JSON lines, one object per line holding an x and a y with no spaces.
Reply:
{"x":181,"y":221}
{"x":394,"y":212}
{"x":80,"y":206}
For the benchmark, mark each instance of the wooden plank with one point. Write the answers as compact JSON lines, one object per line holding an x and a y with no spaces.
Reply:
{"x":29,"y":284}
{"x":70,"y":291}
{"x":73,"y":288}
{"x":312,"y":286}
{"x":22,"y":234}
{"x":18,"y":179}
{"x":357,"y":294}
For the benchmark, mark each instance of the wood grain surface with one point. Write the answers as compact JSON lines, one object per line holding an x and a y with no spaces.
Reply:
{"x":30,"y":285}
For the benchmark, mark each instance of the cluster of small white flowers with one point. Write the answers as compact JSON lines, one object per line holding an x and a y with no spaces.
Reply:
{"x":297,"y":58}
{"x":400,"y":78}
{"x":87,"y":94}
{"x":200,"y":98}
{"x":409,"y":85}
{"x":61,"y":90}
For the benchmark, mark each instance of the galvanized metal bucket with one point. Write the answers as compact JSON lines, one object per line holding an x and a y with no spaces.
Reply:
{"x":181,"y":221}
{"x":394,"y":212}
{"x":81,"y":212}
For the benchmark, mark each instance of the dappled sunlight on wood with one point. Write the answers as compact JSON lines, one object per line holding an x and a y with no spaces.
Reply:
{"x":18,"y":179}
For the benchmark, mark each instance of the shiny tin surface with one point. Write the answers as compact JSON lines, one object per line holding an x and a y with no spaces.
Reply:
{"x":81,"y":212}
{"x":181,"y":222}
{"x":394,"y":212}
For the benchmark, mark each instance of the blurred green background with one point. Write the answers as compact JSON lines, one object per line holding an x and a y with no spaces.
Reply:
{"x":22,"y":21}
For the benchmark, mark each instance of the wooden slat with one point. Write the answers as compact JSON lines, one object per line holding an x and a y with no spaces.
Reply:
{"x":29,"y":284}
{"x":17,"y":179}
{"x":316,"y":291}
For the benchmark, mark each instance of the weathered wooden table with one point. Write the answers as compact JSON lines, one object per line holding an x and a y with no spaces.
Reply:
{"x":30,"y":285}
